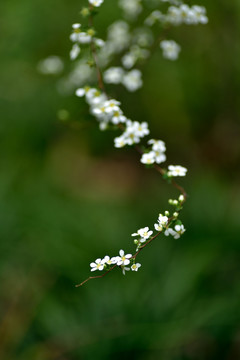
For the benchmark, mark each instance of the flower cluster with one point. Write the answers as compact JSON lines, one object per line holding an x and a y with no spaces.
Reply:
{"x":121,"y":260}
{"x":132,"y":80}
{"x":177,"y":15}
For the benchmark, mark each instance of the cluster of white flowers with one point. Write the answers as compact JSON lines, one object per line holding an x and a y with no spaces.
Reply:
{"x":132,"y":45}
{"x":121,"y":260}
{"x":177,"y":15}
{"x":157,"y":153}
{"x":132,"y":80}
{"x":185,"y":14}
{"x":170,"y":49}
{"x":133,"y":133}
{"x":82,"y":37}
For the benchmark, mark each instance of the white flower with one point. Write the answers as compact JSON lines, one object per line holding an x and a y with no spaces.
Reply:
{"x":176,"y":170}
{"x":80,"y":92}
{"x":162,"y":222}
{"x":111,"y":106}
{"x":97,"y":265}
{"x":132,"y":80}
{"x":144,"y":233}
{"x":109,"y":261}
{"x":124,"y":268}
{"x":94,"y":97}
{"x":99,"y":42}
{"x":120,"y":142}
{"x":148,"y":158}
{"x":179,"y":230}
{"x":113,"y":75}
{"x":129,"y":60}
{"x":135,"y":267}
{"x":76,"y":26}
{"x":123,"y":259}
{"x":96,"y":3}
{"x":75,"y":51}
{"x":157,"y":145}
{"x":52,"y":65}
{"x":170,"y":49}
{"x":118,"y":117}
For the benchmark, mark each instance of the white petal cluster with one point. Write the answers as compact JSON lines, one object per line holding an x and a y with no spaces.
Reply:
{"x":179,"y":14}
{"x":176,"y":232}
{"x":133,"y":133}
{"x":96,"y":3}
{"x":131,"y":8}
{"x":132,"y":80}
{"x":143,"y":233}
{"x":123,"y":259}
{"x":113,"y":75}
{"x":170,"y":49}
{"x":162,"y":222}
{"x":157,"y":153}
{"x":176,"y":170}
{"x":185,"y":14}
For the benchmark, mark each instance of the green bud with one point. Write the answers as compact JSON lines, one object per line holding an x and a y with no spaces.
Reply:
{"x":175,"y":202}
{"x":175,"y":214}
{"x":167,"y":213}
{"x":85,"y":12}
{"x":135,"y":241}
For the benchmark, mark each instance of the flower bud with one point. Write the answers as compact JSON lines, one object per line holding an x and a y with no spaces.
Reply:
{"x":175,"y":202}
{"x":175,"y":214}
{"x":181,"y":198}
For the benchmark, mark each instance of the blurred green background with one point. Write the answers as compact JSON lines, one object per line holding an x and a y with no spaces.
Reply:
{"x":68,"y":197}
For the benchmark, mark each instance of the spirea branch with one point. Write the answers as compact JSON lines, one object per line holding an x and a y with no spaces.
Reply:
{"x":132,"y":46}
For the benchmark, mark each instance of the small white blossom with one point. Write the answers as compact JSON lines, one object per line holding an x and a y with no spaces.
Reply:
{"x":162,"y":222}
{"x":144,"y":233}
{"x":170,"y":49}
{"x":148,"y":158}
{"x":135,"y":267}
{"x":120,"y":142}
{"x":176,"y":170}
{"x":76,"y":26}
{"x":97,"y":265}
{"x":96,"y":3}
{"x":118,"y":117}
{"x":52,"y":65}
{"x":132,"y":80}
{"x":113,"y":75}
{"x":75,"y":51}
{"x":123,"y":259}
{"x":109,"y":261}
{"x":99,"y":42}
{"x":124,"y":269}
